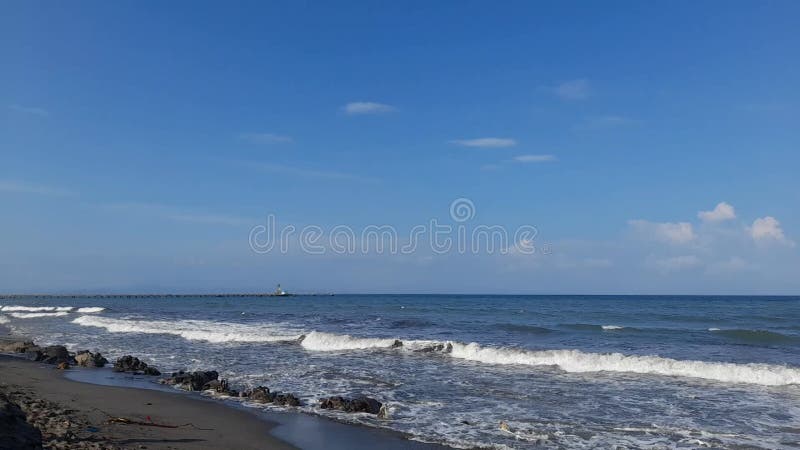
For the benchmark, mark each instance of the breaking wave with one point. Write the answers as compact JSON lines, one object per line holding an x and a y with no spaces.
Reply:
{"x":574,"y":361}
{"x":4,"y":319}
{"x":578,"y":361}
{"x":36,"y":308}
{"x":34,"y":315}
{"x":90,"y":310}
{"x":193,"y":330}
{"x":330,"y":342}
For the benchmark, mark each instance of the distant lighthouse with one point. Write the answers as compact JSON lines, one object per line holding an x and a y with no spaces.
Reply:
{"x":279,"y":291}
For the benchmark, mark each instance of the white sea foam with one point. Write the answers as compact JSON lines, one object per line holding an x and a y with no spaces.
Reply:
{"x":34,"y":315}
{"x":612,"y":327}
{"x":578,"y":361}
{"x":328,"y":342}
{"x":90,"y":310}
{"x":194,"y":330}
{"x":4,"y":319}
{"x":36,"y":308}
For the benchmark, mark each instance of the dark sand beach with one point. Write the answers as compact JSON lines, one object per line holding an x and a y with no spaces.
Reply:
{"x":94,"y":408}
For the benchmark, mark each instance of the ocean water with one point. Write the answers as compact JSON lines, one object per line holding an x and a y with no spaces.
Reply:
{"x":479,"y":371}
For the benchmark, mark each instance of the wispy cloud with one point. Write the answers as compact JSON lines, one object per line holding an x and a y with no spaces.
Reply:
{"x":265,"y":138}
{"x":306,"y":172}
{"x":572,"y":89}
{"x":177,"y":214}
{"x":362,"y":108}
{"x":534,"y":158}
{"x":672,"y":233}
{"x":29,"y":110}
{"x":487,"y":142}
{"x":27,"y":188}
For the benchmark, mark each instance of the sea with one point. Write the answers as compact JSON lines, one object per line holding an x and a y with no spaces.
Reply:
{"x":476,"y":371}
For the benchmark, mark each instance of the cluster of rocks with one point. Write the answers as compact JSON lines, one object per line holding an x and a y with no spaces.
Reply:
{"x":202,"y":380}
{"x":196,"y":381}
{"x":54,"y":354}
{"x":262,"y":394}
{"x":29,"y":422}
{"x":351,"y":405}
{"x":135,"y":366}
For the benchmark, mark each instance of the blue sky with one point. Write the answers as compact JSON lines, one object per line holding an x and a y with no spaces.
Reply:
{"x":141,"y":142}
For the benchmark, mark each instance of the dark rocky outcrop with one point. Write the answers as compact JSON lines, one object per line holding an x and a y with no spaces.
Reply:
{"x":133,"y":365}
{"x":86,"y":358}
{"x":359,"y":404}
{"x":259,"y":394}
{"x":55,"y":354}
{"x":192,"y":381}
{"x":262,"y":394}
{"x":15,"y":431}
{"x":286,"y":400}
{"x":221,"y":387}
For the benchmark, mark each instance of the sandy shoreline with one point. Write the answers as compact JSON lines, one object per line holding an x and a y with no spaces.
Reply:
{"x":73,"y":408}
{"x":90,"y":407}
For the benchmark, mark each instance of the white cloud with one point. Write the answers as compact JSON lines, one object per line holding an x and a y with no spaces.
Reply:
{"x":358,"y":108}
{"x":265,"y":138}
{"x":534,"y":158}
{"x":573,"y":89}
{"x":30,"y":110}
{"x":673,"y":233}
{"x":768,"y":230}
{"x":487,"y":142}
{"x":723,"y":211}
{"x":675,"y":263}
{"x":25,"y":188}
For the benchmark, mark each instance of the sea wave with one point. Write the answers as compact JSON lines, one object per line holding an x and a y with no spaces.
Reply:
{"x":194,"y":330}
{"x":593,"y":327}
{"x":755,"y":336}
{"x":4,"y":319}
{"x":568,"y":360}
{"x":34,"y":315}
{"x":319,"y":341}
{"x":10,"y":308}
{"x":611,"y":327}
{"x":578,"y":361}
{"x":90,"y":310}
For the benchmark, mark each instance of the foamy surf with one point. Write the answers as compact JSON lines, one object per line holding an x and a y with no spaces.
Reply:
{"x":327,"y":342}
{"x":90,"y":310}
{"x":4,"y":319}
{"x":35,"y":315}
{"x":579,"y":362}
{"x":17,"y":308}
{"x":193,"y":330}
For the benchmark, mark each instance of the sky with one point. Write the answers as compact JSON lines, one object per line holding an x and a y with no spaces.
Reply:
{"x":652,"y":146}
